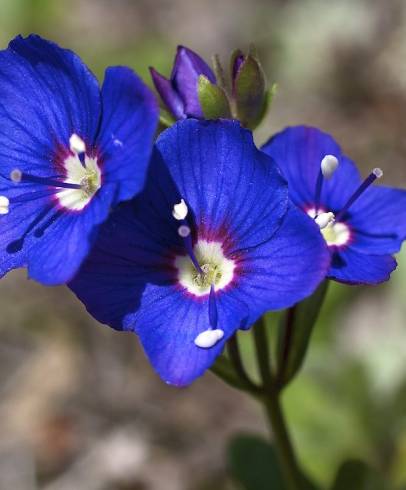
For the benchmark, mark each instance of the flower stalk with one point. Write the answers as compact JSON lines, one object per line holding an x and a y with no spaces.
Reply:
{"x":271,"y":401}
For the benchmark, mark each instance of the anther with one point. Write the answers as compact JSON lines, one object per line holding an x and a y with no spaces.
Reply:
{"x":378,"y":173}
{"x":180,"y":210}
{"x":184,"y":231}
{"x":77,"y":145}
{"x":324,"y":219}
{"x":328,"y":166}
{"x":16,"y":175}
{"x":209,"y":338}
{"x":4,"y":205}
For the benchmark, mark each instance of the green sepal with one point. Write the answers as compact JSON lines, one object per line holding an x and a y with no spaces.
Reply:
{"x":213,"y":100}
{"x":165,"y":118}
{"x":224,"y":369}
{"x":250,"y":92}
{"x":295,"y":331}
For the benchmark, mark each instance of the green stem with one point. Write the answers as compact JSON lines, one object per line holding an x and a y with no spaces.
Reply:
{"x":271,"y":400}
{"x":286,"y":344}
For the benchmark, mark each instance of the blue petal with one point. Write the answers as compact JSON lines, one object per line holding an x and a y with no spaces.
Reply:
{"x":47,"y":94}
{"x":351,"y":267}
{"x":130,"y":116}
{"x":298,"y":151}
{"x":284,"y":270}
{"x":234,"y":191}
{"x":378,"y":219}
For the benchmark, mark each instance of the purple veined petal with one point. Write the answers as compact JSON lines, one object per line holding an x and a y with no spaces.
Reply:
{"x":223,"y":183}
{"x":352,"y":267}
{"x":300,"y":259}
{"x":187,"y":68}
{"x":298,"y":151}
{"x":378,"y":219}
{"x":129,"y":121}
{"x":139,"y":277}
{"x":168,"y":94}
{"x":51,"y":105}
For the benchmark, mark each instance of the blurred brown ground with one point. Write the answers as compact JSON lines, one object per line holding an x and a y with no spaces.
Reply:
{"x":80,"y":408}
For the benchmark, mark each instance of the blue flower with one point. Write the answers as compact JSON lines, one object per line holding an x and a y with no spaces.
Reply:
{"x":210,"y":245}
{"x":362,"y":225}
{"x":69,"y":152}
{"x":180,"y":93}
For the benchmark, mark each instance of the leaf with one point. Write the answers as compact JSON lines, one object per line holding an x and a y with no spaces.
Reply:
{"x":253,"y":464}
{"x":295,"y":332}
{"x":213,"y":100}
{"x":354,"y":474}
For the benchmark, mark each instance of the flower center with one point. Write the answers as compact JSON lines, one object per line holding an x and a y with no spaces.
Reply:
{"x":83,"y":171}
{"x":87,"y":176}
{"x":336,"y":234}
{"x":216,"y":269}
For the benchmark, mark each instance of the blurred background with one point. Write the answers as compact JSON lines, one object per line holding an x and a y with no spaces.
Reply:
{"x":80,"y":408}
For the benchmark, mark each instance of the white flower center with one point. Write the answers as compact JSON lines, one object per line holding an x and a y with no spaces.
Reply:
{"x":87,"y":175}
{"x":217,"y":269}
{"x":335,"y":233}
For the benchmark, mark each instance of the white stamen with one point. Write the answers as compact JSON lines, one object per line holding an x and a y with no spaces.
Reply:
{"x":184,"y":231}
{"x":4,"y":204}
{"x":329,"y":165}
{"x":324,"y":219}
{"x":77,"y":145}
{"x":16,"y":175}
{"x":377,"y":172}
{"x":209,"y":338}
{"x":180,"y":210}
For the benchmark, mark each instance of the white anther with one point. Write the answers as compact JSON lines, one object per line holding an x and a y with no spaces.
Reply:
{"x":377,"y":172}
{"x":209,"y":338}
{"x":16,"y":175}
{"x":77,"y":145}
{"x":4,"y":204}
{"x":329,"y":165}
{"x":324,"y":219}
{"x":180,"y":210}
{"x":184,"y":231}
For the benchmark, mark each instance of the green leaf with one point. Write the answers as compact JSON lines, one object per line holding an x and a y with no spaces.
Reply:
{"x":250,"y":92}
{"x":253,"y":464}
{"x":354,"y":474}
{"x":213,"y":100}
{"x":295,"y":332}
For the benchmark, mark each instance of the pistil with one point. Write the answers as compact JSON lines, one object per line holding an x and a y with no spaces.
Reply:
{"x":211,"y":336}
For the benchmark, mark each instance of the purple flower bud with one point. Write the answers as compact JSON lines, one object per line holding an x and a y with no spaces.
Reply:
{"x":180,"y":93}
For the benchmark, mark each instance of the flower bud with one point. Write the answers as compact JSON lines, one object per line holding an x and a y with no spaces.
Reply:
{"x":180,"y":93}
{"x":249,"y":91}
